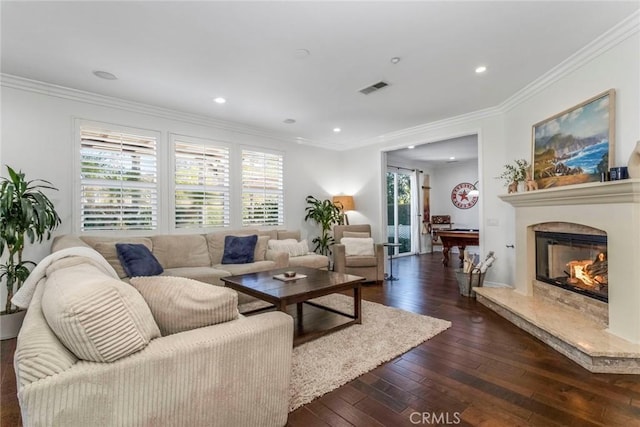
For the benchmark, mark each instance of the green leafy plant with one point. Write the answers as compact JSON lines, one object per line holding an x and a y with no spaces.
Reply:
{"x":515,"y":173}
{"x":326,"y":214}
{"x":25,"y":212}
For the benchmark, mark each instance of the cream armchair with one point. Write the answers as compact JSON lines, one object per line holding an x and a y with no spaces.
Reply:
{"x":351,"y":259}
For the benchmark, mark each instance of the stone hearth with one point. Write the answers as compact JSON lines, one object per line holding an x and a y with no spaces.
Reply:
{"x":605,"y":343}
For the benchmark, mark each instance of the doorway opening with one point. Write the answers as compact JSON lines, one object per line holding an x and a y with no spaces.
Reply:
{"x":401,"y":191}
{"x":439,"y":172}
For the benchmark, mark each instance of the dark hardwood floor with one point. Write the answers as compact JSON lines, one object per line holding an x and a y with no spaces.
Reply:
{"x":481,"y":371}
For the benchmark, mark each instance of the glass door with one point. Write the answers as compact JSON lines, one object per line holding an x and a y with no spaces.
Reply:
{"x":399,"y":211}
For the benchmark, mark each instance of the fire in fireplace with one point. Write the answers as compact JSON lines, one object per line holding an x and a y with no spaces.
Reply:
{"x":576,"y":262}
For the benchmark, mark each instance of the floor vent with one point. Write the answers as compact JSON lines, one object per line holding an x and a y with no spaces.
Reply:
{"x":374,"y":87}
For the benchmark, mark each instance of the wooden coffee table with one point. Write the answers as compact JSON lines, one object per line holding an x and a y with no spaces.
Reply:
{"x":283,"y":293}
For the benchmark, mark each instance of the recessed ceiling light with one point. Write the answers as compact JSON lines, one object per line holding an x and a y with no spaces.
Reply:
{"x":289,"y":121}
{"x":395,"y":60}
{"x":105,"y":75}
{"x":336,"y":130}
{"x":481,"y":69}
{"x":411,"y":147}
{"x":219,"y":100}
{"x":452,"y":158}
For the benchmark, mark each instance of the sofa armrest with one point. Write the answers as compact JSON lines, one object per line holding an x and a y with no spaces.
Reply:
{"x":280,"y":258}
{"x":67,"y":241}
{"x":339,"y":258}
{"x":234,"y":373}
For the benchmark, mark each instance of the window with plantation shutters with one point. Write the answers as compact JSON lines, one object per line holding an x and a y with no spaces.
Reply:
{"x":118,"y":181}
{"x":262,"y":188}
{"x":201,"y":185}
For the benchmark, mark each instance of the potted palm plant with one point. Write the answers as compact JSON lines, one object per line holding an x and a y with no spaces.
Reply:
{"x":26,"y":213}
{"x":326,"y":214}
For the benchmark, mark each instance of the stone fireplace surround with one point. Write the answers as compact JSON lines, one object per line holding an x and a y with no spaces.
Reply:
{"x":599,"y":337}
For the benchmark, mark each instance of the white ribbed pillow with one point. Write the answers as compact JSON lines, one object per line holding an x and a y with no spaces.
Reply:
{"x":357,"y":246}
{"x":291,"y":246}
{"x":180,"y":304}
{"x":97,"y":317}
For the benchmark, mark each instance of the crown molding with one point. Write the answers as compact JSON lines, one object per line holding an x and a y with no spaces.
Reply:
{"x":35,"y":86}
{"x":418,"y":131}
{"x":625,"y":29}
{"x":611,"y":38}
{"x":617,"y":34}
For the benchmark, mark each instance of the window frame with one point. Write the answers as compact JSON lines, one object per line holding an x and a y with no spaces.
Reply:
{"x":282,"y":215}
{"x":173,"y":137}
{"x":76,"y":216}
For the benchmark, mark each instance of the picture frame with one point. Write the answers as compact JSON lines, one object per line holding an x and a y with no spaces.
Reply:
{"x":576,"y":145}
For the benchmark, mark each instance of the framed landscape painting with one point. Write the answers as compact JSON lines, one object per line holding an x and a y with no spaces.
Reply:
{"x":576,"y":145}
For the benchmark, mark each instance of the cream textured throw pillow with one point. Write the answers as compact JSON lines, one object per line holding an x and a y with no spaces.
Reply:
{"x":180,"y":304}
{"x":357,"y":246}
{"x":261,"y":248}
{"x":291,"y":246}
{"x":98,"y":318}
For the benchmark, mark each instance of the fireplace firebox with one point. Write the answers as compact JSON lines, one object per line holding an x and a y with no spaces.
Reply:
{"x":576,"y":262}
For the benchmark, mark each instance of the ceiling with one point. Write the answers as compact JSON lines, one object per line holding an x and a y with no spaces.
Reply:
{"x":438,"y":154}
{"x":181,"y":55}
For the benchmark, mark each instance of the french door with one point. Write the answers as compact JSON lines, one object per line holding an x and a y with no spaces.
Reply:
{"x":400,"y":215}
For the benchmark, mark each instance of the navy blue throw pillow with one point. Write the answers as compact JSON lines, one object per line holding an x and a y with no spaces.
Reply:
{"x":239,"y":250}
{"x":137,"y":260}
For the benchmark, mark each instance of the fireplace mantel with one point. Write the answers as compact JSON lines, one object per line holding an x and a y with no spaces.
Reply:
{"x":614,"y":209}
{"x":623,"y":191}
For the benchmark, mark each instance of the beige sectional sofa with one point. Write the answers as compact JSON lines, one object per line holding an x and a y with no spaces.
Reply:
{"x":100,"y":348}
{"x":90,"y":351}
{"x":198,"y":256}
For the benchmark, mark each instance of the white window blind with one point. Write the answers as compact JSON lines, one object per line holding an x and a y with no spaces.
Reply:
{"x":118,"y":181}
{"x":201,"y":185}
{"x":262,"y":188}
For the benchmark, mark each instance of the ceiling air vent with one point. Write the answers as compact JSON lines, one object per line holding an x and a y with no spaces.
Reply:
{"x":374,"y":87}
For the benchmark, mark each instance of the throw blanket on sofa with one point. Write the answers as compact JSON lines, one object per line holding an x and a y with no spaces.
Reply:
{"x":23,"y":296}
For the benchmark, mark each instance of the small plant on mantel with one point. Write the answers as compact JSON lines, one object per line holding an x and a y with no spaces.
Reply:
{"x":514,"y":173}
{"x":25,"y":212}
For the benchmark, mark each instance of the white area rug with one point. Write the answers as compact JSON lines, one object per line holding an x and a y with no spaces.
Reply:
{"x":326,"y":363}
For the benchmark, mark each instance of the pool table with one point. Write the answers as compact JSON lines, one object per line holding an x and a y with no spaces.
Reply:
{"x":460,"y":238}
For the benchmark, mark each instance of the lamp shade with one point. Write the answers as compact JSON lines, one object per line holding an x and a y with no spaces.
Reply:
{"x":346,"y":202}
{"x":475,"y":192}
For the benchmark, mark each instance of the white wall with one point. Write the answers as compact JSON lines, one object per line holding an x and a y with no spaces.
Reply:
{"x":423,"y":241}
{"x":443,"y":180}
{"x":37,"y":137}
{"x":617,"y":68}
{"x":504,"y":134}
{"x":367,"y":166}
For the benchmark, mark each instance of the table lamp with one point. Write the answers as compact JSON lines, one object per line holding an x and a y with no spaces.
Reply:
{"x":345,"y":203}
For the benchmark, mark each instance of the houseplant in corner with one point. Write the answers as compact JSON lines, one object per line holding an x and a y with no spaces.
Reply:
{"x":326,"y":214}
{"x":25,"y":213}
